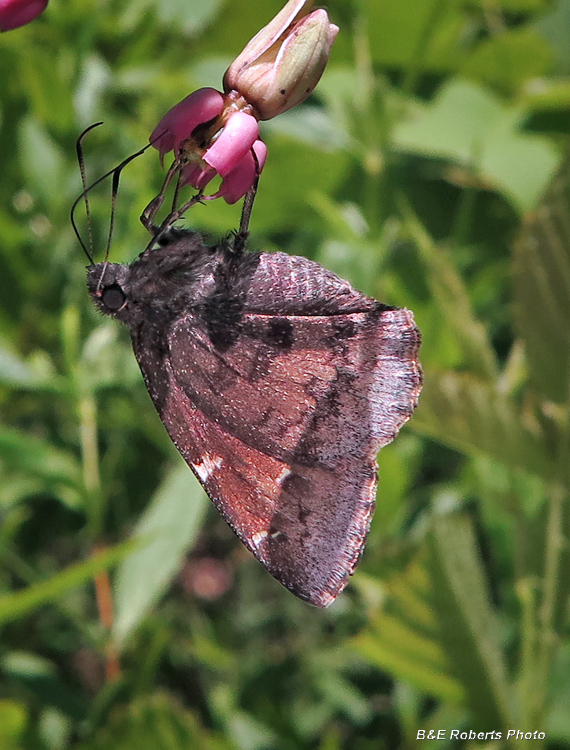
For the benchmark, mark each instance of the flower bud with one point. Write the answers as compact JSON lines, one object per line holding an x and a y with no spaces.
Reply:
{"x":16,"y":13}
{"x":283,"y":63}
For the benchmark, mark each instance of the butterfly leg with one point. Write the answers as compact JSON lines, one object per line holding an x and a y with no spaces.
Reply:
{"x":243,"y":231}
{"x":147,"y":216}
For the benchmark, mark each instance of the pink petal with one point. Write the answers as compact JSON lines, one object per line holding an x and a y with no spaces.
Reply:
{"x":197,"y":176}
{"x":179,"y":122}
{"x":241,"y":178}
{"x":238,"y":136}
{"x":15,"y":13}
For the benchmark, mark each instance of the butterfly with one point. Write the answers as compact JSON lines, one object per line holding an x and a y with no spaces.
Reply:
{"x":278,"y":383}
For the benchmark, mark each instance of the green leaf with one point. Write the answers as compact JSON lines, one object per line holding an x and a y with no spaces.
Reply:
{"x":450,"y":294}
{"x":542,"y":291}
{"x":42,"y":174}
{"x":509,"y":58}
{"x":250,"y":734}
{"x":553,"y":26}
{"x":410,"y":656}
{"x":467,"y":125}
{"x":13,"y":720}
{"x":454,"y":125}
{"x":14,"y":372}
{"x":343,"y":696}
{"x":154,"y":721}
{"x":403,"y":632}
{"x":435,"y":628}
{"x":469,"y":627}
{"x":550,"y":96}
{"x":519,"y":165}
{"x":106,"y":361}
{"x":414,"y":32}
{"x":189,"y":17}
{"x":39,"y":458}
{"x":19,"y":604}
{"x":40,"y":677}
{"x":513,"y":6}
{"x":277,"y":206}
{"x":475,"y":417}
{"x":166,"y":532}
{"x":312,"y":126}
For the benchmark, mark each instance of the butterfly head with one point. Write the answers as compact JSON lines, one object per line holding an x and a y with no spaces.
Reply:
{"x":108,"y":286}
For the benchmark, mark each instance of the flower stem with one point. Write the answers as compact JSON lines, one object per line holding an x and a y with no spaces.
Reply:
{"x":90,"y":461}
{"x":92,"y":481}
{"x":426,"y":35}
{"x":104,"y":598}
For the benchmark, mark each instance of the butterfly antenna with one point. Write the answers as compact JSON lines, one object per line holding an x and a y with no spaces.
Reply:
{"x":243,"y":231}
{"x":116,"y":172}
{"x":114,"y":192}
{"x":81,"y":162}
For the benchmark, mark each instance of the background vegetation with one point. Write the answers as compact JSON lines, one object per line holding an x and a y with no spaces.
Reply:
{"x":416,"y":171}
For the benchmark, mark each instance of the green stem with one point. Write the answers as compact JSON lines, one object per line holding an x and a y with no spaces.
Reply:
{"x":414,"y":68}
{"x":547,"y":613}
{"x":373,"y":128}
{"x":526,"y":591}
{"x":90,"y":459}
{"x":12,"y":562}
{"x":464,"y":215}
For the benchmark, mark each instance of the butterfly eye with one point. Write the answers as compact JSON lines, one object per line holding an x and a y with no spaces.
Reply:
{"x":113,"y":297}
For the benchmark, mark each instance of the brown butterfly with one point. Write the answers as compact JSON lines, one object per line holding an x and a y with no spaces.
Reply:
{"x":278,"y":383}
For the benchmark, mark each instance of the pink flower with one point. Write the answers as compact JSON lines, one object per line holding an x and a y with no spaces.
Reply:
{"x":218,"y":134}
{"x":242,"y":177}
{"x":179,"y":122}
{"x":211,"y":135}
{"x":15,"y":13}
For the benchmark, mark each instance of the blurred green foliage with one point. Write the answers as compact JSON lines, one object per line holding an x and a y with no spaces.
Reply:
{"x":419,"y":171}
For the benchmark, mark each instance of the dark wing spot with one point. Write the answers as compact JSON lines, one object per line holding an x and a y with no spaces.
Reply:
{"x":223,"y":310}
{"x":304,"y":513}
{"x":296,"y":485}
{"x":280,"y":333}
{"x":344,"y":329}
{"x":277,"y":528}
{"x":223,"y":319}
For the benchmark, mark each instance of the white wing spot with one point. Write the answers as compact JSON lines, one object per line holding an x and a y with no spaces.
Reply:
{"x":283,"y":476}
{"x":256,"y":539}
{"x":207,"y":466}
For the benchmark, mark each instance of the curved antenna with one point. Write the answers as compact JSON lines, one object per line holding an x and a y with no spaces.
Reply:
{"x":114,"y":193}
{"x":81,"y":162}
{"x":116,"y":172}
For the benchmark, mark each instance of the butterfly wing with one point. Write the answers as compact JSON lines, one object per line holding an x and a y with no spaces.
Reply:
{"x":278,"y":383}
{"x":282,"y":429}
